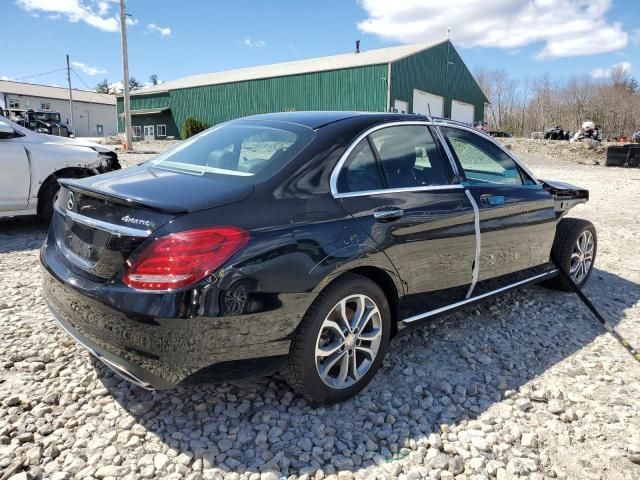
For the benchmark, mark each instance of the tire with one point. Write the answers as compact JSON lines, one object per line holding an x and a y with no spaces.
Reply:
{"x":317,"y":329}
{"x":46,"y":199}
{"x":48,"y":194}
{"x":571,"y":254}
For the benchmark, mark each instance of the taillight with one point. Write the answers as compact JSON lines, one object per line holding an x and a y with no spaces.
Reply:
{"x":184,"y":258}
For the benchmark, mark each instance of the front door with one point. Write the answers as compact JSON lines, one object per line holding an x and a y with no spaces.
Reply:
{"x":517,"y":218}
{"x":149,"y":132}
{"x":398,"y":185}
{"x":15,"y":178}
{"x":99,"y":130}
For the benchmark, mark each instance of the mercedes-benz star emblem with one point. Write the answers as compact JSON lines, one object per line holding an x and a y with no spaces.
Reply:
{"x":70,"y":201}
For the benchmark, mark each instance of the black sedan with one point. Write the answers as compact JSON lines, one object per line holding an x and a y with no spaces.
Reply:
{"x":302,"y":243}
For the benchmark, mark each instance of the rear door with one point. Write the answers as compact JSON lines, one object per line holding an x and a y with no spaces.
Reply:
{"x":517,"y":218}
{"x":399,"y":185}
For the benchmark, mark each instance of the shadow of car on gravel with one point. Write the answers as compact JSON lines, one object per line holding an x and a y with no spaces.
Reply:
{"x":448,"y":372}
{"x":21,"y":233}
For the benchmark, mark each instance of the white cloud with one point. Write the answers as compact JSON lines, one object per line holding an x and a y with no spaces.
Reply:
{"x":131,"y":21}
{"x":4,"y":77}
{"x":75,"y":11}
{"x":254,"y":43}
{"x":103,"y":8}
{"x":566,"y":27}
{"x":164,"y":31}
{"x":89,"y":70}
{"x":622,"y":67}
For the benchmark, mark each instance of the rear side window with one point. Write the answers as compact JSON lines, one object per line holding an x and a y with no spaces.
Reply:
{"x":249,"y":151}
{"x":482,"y":161}
{"x":409,"y":157}
{"x":360,"y":171}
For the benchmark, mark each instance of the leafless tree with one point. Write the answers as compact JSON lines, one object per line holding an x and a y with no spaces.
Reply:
{"x":523,"y":106}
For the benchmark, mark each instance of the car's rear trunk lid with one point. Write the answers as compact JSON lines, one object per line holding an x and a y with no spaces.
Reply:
{"x":99,"y":221}
{"x":95,"y":234}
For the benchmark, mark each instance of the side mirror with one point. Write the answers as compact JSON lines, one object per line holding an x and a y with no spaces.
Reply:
{"x":6,"y":131}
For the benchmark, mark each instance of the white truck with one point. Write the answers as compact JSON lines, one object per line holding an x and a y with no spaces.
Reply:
{"x":31,"y":164}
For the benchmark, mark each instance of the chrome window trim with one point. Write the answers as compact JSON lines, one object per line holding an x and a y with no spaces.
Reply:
{"x":447,"y":150}
{"x":104,"y":226}
{"x":460,"y":126}
{"x":333,"y":181}
{"x":382,"y":191}
{"x":431,"y":313}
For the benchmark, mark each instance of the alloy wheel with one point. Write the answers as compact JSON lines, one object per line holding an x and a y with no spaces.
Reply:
{"x":348,"y":341}
{"x":582,"y":257}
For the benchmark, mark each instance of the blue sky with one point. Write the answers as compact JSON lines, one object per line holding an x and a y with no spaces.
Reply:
{"x":176,"y":39}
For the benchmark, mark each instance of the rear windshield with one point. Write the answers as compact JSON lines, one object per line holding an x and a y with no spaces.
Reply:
{"x":248,"y":151}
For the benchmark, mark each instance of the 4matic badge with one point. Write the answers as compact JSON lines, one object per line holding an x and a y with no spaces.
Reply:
{"x":136,"y":221}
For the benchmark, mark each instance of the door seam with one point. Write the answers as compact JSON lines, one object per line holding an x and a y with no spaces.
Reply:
{"x":476,"y":224}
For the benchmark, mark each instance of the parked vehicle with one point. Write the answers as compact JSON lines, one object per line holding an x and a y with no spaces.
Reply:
{"x":299,"y":242}
{"x":45,"y":122}
{"x":557,"y":133}
{"x":32,"y":164}
{"x":499,"y":134}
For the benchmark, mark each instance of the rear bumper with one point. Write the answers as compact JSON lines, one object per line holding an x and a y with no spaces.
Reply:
{"x":127,"y":370}
{"x":151,"y":340}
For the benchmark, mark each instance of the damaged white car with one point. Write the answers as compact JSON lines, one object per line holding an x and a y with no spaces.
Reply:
{"x":31,"y":164}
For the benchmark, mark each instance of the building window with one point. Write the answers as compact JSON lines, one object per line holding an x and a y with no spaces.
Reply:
{"x":161,"y":130}
{"x":137,"y":132}
{"x":400,"y":106}
{"x":14,"y":104}
{"x":45,"y":107}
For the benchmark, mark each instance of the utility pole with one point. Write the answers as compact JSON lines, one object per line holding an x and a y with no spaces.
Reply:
{"x":125,"y":72}
{"x":71,"y":122}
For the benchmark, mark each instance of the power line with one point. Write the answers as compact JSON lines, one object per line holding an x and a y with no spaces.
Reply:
{"x":40,"y":74}
{"x":90,"y":88}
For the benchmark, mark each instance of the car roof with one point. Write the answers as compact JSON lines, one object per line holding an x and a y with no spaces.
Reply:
{"x":320,"y":119}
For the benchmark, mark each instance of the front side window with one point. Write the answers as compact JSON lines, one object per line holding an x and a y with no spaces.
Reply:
{"x":45,"y":106}
{"x":360,"y":172}
{"x":410,"y":157}
{"x":137,"y":131}
{"x":14,"y":104}
{"x":482,"y":161}
{"x":237,"y":149}
{"x":162,"y":130}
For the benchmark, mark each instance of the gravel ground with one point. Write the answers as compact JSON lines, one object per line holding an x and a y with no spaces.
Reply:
{"x":527,"y":386}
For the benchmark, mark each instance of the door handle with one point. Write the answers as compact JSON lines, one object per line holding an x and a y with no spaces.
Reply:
{"x":388,"y":214}
{"x":492,"y":200}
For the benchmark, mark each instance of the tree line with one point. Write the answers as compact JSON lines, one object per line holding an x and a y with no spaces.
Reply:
{"x":134,"y":84}
{"x":523,"y":106}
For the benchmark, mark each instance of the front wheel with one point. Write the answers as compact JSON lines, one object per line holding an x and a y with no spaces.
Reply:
{"x":574,"y":247}
{"x":341,"y":341}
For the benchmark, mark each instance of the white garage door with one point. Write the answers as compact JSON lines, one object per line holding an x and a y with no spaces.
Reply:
{"x":426,"y":103}
{"x":462,"y":112}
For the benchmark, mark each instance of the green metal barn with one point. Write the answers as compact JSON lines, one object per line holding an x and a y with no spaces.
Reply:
{"x":418,"y":78}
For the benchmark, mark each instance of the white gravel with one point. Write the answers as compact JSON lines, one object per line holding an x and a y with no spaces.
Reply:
{"x":527,"y":386}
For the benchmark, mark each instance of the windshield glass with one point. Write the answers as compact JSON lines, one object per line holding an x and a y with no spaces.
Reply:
{"x":46,"y":117}
{"x":251,"y":151}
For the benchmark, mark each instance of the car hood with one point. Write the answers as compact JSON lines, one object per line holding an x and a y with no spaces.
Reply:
{"x":163,"y":190}
{"x":54,"y":140}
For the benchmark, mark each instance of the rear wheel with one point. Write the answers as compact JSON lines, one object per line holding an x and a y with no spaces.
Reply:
{"x":575,"y":248}
{"x":341,"y":341}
